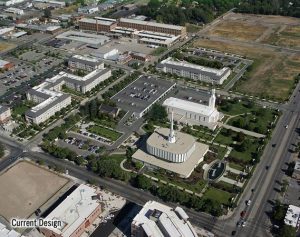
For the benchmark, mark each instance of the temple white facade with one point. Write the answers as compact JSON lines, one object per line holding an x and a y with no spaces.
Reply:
{"x":192,"y":113}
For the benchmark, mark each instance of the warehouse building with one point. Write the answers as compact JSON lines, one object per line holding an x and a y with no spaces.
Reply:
{"x":152,"y":26}
{"x":5,"y":114}
{"x":159,"y":220}
{"x":96,"y":24}
{"x":192,"y":113}
{"x":77,"y":212}
{"x":88,"y":9}
{"x":14,"y":10}
{"x":193,"y":71}
{"x":10,"y":2}
{"x":85,"y":63}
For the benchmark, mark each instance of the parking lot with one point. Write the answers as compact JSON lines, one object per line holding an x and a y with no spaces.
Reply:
{"x":138,"y":96}
{"x":80,"y":146}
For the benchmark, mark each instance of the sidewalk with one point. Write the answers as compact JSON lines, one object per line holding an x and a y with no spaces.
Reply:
{"x":250,"y":133}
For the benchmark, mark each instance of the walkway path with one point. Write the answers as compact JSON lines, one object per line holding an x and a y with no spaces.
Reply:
{"x":231,"y":181}
{"x":247,"y":132}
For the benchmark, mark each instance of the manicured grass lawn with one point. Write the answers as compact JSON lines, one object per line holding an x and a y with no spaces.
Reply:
{"x":218,"y":195}
{"x":105,"y":122}
{"x":246,"y":155}
{"x":222,"y":138}
{"x":22,"y":108}
{"x":233,"y":108}
{"x":236,"y":166}
{"x":104,"y":132}
{"x":158,"y":51}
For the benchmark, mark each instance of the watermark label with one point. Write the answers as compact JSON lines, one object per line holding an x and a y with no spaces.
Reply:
{"x":33,"y":223}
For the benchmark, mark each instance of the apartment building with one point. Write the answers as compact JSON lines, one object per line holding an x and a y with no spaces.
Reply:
{"x":193,"y":71}
{"x":5,"y":114}
{"x":85,"y":63}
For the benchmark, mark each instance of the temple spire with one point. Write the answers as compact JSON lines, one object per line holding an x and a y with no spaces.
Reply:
{"x":172,"y":138}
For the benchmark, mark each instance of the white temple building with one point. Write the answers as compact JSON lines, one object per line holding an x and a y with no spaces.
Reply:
{"x":192,"y":113}
{"x":173,"y":151}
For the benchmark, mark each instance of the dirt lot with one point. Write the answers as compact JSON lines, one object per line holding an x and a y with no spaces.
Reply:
{"x":272,"y":74}
{"x":25,"y":187}
{"x":6,"y":46}
{"x":277,"y":30}
{"x":238,"y":30}
{"x":286,"y":36}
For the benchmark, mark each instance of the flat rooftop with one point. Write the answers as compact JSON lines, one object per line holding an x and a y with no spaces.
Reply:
{"x":183,"y":169}
{"x":292,"y":216}
{"x":73,"y":211}
{"x":96,"y":21}
{"x":174,"y":221}
{"x":142,"y":93}
{"x":193,"y":67}
{"x":189,"y":106}
{"x":87,"y":38}
{"x":27,"y":187}
{"x":151,"y":23}
{"x":159,"y":139}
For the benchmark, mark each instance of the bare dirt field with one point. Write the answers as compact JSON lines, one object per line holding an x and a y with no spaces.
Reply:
{"x":286,"y":36}
{"x":6,"y":46}
{"x":26,"y":188}
{"x":272,"y":73}
{"x":261,"y":28}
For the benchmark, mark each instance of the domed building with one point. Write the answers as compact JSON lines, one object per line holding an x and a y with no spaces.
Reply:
{"x":173,"y":151}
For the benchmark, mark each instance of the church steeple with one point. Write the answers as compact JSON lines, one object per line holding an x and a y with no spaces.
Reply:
{"x":212,"y":99}
{"x":172,"y":138}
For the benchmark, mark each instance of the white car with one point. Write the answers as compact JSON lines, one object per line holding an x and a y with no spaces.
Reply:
{"x":248,"y":202}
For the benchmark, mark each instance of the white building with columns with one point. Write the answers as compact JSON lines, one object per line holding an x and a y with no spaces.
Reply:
{"x":192,"y":113}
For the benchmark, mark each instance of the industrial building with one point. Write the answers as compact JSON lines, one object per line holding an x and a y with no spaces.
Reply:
{"x":98,"y":24}
{"x":106,"y":53}
{"x":49,"y":98}
{"x":172,"y":151}
{"x":4,"y":232}
{"x":292,"y":216}
{"x":159,"y":220}
{"x":85,"y":63}
{"x":77,"y":212}
{"x":5,"y":114}
{"x":92,"y":39}
{"x":43,"y":4}
{"x":192,"y":113}
{"x":193,"y":71}
{"x":152,"y":26}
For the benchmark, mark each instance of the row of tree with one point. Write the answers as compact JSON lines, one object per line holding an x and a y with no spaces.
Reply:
{"x":172,"y":194}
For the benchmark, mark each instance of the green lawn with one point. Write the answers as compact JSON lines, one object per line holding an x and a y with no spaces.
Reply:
{"x":224,"y":139}
{"x":104,"y":132}
{"x":233,"y":108}
{"x":20,"y":109}
{"x":246,"y":155}
{"x":158,"y":51}
{"x":236,"y":166}
{"x":105,"y":122}
{"x":218,"y":195}
{"x":221,"y":151}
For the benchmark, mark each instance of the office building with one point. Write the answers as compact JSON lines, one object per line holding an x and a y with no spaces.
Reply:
{"x":99,"y":24}
{"x":4,"y":232}
{"x":88,"y":9}
{"x":292,"y":216}
{"x":158,"y":220}
{"x":86,"y":63}
{"x":77,"y":212}
{"x":14,"y":10}
{"x":192,"y":113}
{"x":193,"y":71}
{"x":5,"y":114}
{"x":10,"y":2}
{"x":49,"y":98}
{"x":152,"y":26}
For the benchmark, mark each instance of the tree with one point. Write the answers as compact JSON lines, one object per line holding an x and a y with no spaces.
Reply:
{"x":2,"y":150}
{"x":157,"y":113}
{"x":143,"y":182}
{"x":240,"y":137}
{"x":287,"y":231}
{"x":47,"y":13}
